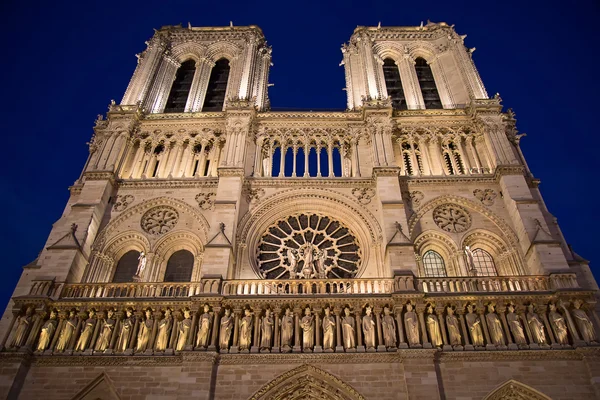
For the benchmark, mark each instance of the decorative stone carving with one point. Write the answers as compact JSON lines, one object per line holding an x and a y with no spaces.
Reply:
{"x":411,"y":324}
{"x":486,"y":196}
{"x":328,"y":330}
{"x":206,"y":201}
{"x":254,"y":194}
{"x":368,"y":327}
{"x":308,"y":330}
{"x":87,"y":332}
{"x":349,"y":330}
{"x":47,"y":332}
{"x":66,"y":333}
{"x":159,"y":220}
{"x":287,"y":330}
{"x":126,"y":330}
{"x":308,"y":246}
{"x":204,"y":324}
{"x":559,"y":326}
{"x":246,"y":331}
{"x":266,"y":330}
{"x":122,"y":202}
{"x":363,"y":195}
{"x":389,"y":329}
{"x":494,"y":326}
{"x":144,"y":332}
{"x":164,"y":331}
{"x":453,"y":328}
{"x":183,"y":330}
{"x":108,"y":326}
{"x":225,"y":331}
{"x":474,"y":324}
{"x":586,"y":328}
{"x":536,"y":325}
{"x":416,"y":197}
{"x":515,"y":326}
{"x":452,"y":218}
{"x":433,"y":326}
{"x":23,"y":326}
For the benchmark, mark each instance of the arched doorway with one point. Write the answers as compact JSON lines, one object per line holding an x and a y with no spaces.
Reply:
{"x":307,"y":383}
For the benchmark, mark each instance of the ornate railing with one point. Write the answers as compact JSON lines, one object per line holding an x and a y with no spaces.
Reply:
{"x":525,"y":283}
{"x":295,"y":287}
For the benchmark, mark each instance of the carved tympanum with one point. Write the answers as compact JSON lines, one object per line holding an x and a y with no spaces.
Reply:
{"x":452,"y":218}
{"x":308,"y":246}
{"x":159,"y":220}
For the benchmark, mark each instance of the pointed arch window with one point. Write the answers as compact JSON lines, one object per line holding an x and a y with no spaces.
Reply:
{"x":431,"y":97}
{"x":393,"y":84}
{"x":452,"y":159}
{"x":126,"y":267}
{"x":217,"y":86}
{"x":433,"y":264}
{"x":180,"y":89}
{"x":179,"y":267}
{"x":484,"y":263}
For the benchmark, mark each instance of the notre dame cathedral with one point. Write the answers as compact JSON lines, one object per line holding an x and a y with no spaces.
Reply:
{"x":214,"y":248}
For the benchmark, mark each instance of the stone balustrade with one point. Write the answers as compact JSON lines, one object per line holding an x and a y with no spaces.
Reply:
{"x":487,"y":284}
{"x":294,"y":287}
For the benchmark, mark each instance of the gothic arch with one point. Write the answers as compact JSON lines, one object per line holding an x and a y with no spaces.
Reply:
{"x":171,"y":243}
{"x":497,"y":248}
{"x":219,"y":50}
{"x":441,"y":244}
{"x":188,"y":50}
{"x":498,"y":221}
{"x":288,"y":202}
{"x":140,"y":209}
{"x":512,"y":389}
{"x":124,"y":242}
{"x":307,"y":382}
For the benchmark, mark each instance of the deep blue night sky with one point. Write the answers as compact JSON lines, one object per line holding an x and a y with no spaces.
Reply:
{"x":63,"y":61}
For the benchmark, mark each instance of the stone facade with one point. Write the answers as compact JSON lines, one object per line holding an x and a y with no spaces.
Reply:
{"x":397,"y":249}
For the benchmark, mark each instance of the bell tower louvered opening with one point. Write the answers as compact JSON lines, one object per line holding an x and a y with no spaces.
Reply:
{"x":181,"y":87}
{"x":217,"y":86}
{"x":393,"y":84}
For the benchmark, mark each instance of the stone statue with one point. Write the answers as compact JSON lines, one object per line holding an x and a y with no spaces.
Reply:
{"x":225,"y":331}
{"x":47,"y":332}
{"x":246,"y":330}
{"x":183,"y":329}
{"x":287,"y":330}
{"x":141,"y":264}
{"x":164,"y":331}
{"x":558,"y":325}
{"x":204,"y":324}
{"x":108,"y":326}
{"x":86,"y":332}
{"x":328,"y":330}
{"x":536,"y":325}
{"x":23,"y":325}
{"x":67,"y":332}
{"x":308,"y":267}
{"x":586,"y":328}
{"x":411,"y":324}
{"x":368,"y":327}
{"x":470,"y":261}
{"x":474,"y":324}
{"x":308,"y":330}
{"x":320,"y":264}
{"x":348,"y":329}
{"x":453,"y":325}
{"x":516,"y":328}
{"x":145,"y":330}
{"x":495,"y":326}
{"x":389,"y":329}
{"x":125,"y":332}
{"x":266,"y":330}
{"x":293,"y":260}
{"x":433,"y":326}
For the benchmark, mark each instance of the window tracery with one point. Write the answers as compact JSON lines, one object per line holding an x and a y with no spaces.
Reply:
{"x":452,"y":218}
{"x":433,"y":264}
{"x":308,"y":246}
{"x":484,"y":263}
{"x":179,"y":267}
{"x":159,"y":220}
{"x":126,"y":267}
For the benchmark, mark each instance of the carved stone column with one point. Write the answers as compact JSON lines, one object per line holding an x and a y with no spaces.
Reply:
{"x":190,"y":342}
{"x":339,"y":348}
{"x":463,"y":327}
{"x":177,"y":315}
{"x":420,"y":308}
{"x":484,"y":328}
{"x":400,"y":327}
{"x":132,"y":340}
{"x":297,"y":335}
{"x":115,"y":333}
{"x":318,"y":348}
{"x":256,"y":341}
{"x":501,"y":311}
{"x":62,"y":316}
{"x":215,"y":328}
{"x":521,"y":313}
{"x":571,"y":325}
{"x":440,"y":314}
{"x":543,"y":311}
{"x":80,"y":318}
{"x":276,"y":319}
{"x":90,"y":349}
{"x":157,"y":317}
{"x":380,"y":343}
{"x":359,"y":340}
{"x":236,"y":331}
{"x":36,"y":324}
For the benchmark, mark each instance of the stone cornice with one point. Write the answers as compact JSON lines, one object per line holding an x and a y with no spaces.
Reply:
{"x":168,"y":183}
{"x":311,"y":182}
{"x":99,"y":176}
{"x":521,"y":355}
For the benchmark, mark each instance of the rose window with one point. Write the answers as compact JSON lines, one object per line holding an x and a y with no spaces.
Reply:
{"x":452,"y":218}
{"x":307,"y":246}
{"x":159,"y":220}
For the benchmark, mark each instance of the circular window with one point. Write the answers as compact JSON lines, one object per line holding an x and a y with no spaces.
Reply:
{"x":159,"y":220}
{"x":307,"y":246}
{"x":452,"y":218}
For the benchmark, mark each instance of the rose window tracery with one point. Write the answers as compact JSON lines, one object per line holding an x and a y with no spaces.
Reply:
{"x":452,"y":218}
{"x":159,"y":220}
{"x":306,"y":246}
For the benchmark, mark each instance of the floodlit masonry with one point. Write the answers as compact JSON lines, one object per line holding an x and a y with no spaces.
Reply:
{"x":215,"y":248}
